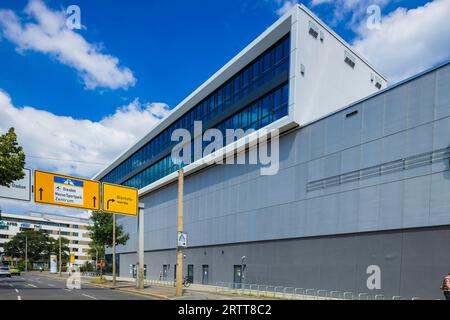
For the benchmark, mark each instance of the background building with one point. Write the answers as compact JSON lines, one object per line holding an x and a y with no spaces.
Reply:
{"x":73,"y":229}
{"x":363,"y":181}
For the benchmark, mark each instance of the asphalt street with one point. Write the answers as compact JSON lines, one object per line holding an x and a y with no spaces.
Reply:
{"x":36,"y":287}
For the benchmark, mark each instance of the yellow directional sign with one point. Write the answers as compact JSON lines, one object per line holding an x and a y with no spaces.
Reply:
{"x":61,"y":190}
{"x":120,"y":199}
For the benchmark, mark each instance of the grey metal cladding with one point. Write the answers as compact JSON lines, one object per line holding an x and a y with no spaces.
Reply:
{"x":395,"y":130}
{"x":411,"y":262}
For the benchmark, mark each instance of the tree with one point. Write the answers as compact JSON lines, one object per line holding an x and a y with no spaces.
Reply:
{"x":40,"y":246}
{"x":101,"y":232}
{"x":12,"y":159}
{"x":53,"y":248}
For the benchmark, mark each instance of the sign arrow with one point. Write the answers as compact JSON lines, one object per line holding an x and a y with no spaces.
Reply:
{"x":94,"y":198}
{"x":107,"y":203}
{"x":40,"y":193}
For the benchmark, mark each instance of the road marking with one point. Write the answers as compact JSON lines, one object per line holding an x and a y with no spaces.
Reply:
{"x":51,"y":285}
{"x":17,"y":291}
{"x":31,"y":285}
{"x":91,"y":297}
{"x":19,"y":298}
{"x":68,"y":290}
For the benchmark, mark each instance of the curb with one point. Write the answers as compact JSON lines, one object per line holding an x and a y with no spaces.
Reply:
{"x":134,"y":291}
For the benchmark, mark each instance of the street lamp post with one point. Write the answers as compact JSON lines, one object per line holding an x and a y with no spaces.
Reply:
{"x":96,"y":258}
{"x":60,"y":256}
{"x":26,"y":253}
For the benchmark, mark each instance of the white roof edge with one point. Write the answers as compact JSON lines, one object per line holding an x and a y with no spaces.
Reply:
{"x":345,"y":43}
{"x":163,"y":124}
{"x":167,"y":120}
{"x":382,"y":91}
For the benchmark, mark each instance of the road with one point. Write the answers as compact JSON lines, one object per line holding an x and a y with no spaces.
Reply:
{"x":36,"y":287}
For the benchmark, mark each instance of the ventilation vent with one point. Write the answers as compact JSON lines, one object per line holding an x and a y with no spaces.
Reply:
{"x":351,"y":114}
{"x":349,"y":59}
{"x":313,"y":30}
{"x":378,"y":83}
{"x":302,"y":69}
{"x":415,"y":161}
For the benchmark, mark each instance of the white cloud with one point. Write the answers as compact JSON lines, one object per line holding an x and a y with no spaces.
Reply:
{"x":45,"y":31}
{"x":285,"y":6}
{"x":409,"y":41}
{"x":86,"y":146}
{"x":350,"y":11}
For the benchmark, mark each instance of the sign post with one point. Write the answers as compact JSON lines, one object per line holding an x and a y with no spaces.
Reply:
{"x":114,"y":251}
{"x":140,"y":273}
{"x":61,"y":190}
{"x":119,"y":200}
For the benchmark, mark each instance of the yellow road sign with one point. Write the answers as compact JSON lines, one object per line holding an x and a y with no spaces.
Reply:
{"x":72,"y":258}
{"x":120,"y":199}
{"x":61,"y":190}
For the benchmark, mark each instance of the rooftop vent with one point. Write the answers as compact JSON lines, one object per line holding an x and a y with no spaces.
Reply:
{"x":313,"y":30}
{"x":349,"y":59}
{"x":351,"y":114}
{"x":378,"y":83}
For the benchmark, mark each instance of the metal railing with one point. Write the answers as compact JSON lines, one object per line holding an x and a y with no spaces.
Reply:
{"x":276,"y":292}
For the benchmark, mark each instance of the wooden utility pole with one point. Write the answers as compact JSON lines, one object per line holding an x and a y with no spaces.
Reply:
{"x":179,"y":274}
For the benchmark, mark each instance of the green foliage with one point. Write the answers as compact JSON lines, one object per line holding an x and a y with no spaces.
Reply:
{"x":102,"y":230}
{"x":40,"y":246}
{"x":87,"y":267}
{"x":12,"y":159}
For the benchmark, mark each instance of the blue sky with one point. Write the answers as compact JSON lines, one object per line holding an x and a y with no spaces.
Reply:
{"x":170,"y":46}
{"x":79,"y":98}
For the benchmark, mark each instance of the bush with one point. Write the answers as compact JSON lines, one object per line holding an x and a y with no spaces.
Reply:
{"x":87,"y":267}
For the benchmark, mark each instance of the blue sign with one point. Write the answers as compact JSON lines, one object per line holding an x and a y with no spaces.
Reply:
{"x":70,"y":182}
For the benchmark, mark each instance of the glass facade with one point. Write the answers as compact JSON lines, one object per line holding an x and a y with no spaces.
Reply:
{"x":256,"y":114}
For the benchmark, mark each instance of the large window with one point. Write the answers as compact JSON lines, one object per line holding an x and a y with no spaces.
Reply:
{"x":260,"y":113}
{"x":266,"y":67}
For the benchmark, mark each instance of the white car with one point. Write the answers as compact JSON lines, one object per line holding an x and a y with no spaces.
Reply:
{"x":4,"y":272}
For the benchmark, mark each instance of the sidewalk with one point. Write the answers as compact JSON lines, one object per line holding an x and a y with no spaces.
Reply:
{"x":163,"y":292}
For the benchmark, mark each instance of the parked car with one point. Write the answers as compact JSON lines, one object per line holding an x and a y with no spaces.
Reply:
{"x":4,"y":272}
{"x":14,"y":271}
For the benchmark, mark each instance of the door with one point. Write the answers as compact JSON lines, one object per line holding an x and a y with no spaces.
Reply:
{"x":164,"y":272}
{"x":190,"y":273}
{"x":237,"y":278}
{"x":205,"y":274}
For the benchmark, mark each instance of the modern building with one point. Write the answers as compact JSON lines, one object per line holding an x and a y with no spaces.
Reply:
{"x":73,"y":229}
{"x":363,"y":183}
